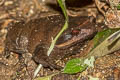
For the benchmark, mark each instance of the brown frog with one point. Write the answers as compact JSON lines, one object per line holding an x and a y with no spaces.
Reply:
{"x":35,"y":37}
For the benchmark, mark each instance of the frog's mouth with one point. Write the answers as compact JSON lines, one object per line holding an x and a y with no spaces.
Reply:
{"x":72,"y":39}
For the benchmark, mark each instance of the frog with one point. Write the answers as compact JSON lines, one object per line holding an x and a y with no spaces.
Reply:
{"x":35,"y":37}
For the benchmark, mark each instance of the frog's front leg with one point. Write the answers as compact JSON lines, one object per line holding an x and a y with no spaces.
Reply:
{"x":9,"y":47}
{"x":40,"y":56}
{"x":13,"y":46}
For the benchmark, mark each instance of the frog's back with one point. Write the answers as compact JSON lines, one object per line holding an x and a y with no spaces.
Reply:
{"x":45,"y":29}
{"x":24,"y":37}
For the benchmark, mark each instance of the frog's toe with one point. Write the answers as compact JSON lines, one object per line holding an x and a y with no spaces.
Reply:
{"x":54,"y":66}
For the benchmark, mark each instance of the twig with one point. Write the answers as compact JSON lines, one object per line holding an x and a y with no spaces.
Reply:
{"x":99,"y":6}
{"x":37,"y":70}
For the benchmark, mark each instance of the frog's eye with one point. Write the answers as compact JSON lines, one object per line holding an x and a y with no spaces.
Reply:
{"x":75,"y":32}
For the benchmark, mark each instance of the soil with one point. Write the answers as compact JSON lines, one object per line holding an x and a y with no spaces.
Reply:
{"x":15,"y":67}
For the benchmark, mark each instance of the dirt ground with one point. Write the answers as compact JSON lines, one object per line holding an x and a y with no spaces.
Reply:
{"x":16,"y":68}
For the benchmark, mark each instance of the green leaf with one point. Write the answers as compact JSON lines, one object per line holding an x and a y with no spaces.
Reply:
{"x":75,"y":66}
{"x":78,"y":65}
{"x":101,"y":36}
{"x":109,"y":45}
{"x":118,"y":7}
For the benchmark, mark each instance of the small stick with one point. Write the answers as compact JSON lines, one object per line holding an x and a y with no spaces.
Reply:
{"x":37,"y":70}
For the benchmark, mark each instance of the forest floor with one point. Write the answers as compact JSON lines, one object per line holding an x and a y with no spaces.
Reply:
{"x":13,"y":11}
